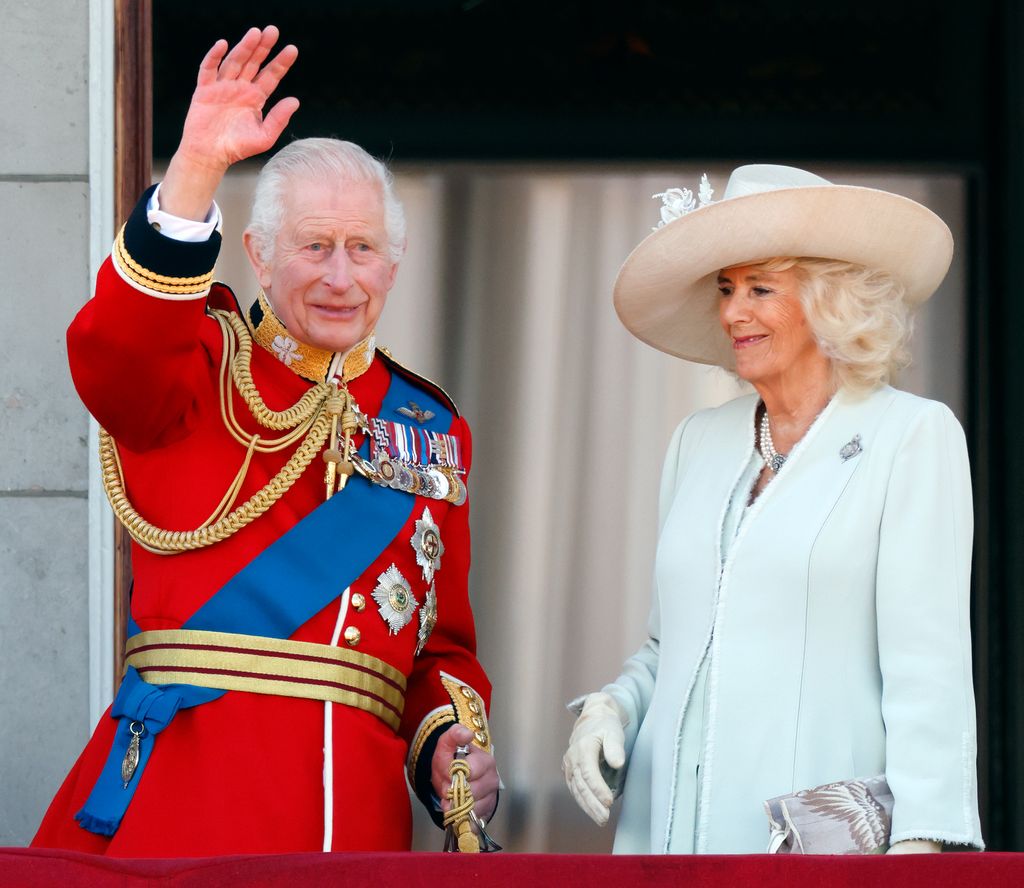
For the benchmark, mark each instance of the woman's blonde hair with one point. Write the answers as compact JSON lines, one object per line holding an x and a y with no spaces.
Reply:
{"x":858,"y":316}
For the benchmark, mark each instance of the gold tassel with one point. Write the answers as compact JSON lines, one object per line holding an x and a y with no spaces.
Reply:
{"x":343,"y":418}
{"x":349,"y":424}
{"x":334,"y":407}
{"x":458,"y":831}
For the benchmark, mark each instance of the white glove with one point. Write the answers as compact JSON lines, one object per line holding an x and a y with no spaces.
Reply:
{"x":597,"y":738}
{"x":916,"y":846}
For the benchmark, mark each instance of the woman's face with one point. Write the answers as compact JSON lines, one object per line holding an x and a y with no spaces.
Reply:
{"x":760,"y":312}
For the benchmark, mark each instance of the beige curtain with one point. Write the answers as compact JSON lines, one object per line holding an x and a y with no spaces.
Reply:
{"x":504,"y":299}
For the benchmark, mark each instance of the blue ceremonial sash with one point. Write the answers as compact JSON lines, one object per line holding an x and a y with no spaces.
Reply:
{"x":283,"y":587}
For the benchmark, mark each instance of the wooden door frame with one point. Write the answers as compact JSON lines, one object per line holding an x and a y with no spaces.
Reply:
{"x":133,"y":165}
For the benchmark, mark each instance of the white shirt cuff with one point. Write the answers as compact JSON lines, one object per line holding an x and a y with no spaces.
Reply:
{"x":180,"y":229}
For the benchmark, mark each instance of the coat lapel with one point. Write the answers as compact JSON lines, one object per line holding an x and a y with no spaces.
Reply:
{"x":818,"y":468}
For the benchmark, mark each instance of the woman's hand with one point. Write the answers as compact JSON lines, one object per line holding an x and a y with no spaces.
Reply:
{"x":915,"y":846}
{"x":598,"y":734}
{"x":225,"y":121}
{"x":483,"y":772}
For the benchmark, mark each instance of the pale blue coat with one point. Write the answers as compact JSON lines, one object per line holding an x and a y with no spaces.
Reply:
{"x":837,"y":628}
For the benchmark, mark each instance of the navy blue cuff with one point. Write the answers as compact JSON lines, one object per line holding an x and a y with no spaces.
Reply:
{"x":160,"y":263}
{"x":422,"y":785}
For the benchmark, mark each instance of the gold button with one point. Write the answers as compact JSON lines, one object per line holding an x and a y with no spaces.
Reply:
{"x":477,"y":721}
{"x":481,"y":737}
{"x":352,"y":635}
{"x":473,"y":707}
{"x":467,"y":692}
{"x":359,"y":601}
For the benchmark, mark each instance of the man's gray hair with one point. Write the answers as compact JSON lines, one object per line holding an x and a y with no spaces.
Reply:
{"x":320,"y":160}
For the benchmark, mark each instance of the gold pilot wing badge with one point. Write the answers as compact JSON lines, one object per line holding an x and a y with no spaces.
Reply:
{"x":413,"y":411}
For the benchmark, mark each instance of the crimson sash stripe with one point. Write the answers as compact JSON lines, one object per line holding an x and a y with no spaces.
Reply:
{"x":264,"y":677}
{"x":261,"y":653}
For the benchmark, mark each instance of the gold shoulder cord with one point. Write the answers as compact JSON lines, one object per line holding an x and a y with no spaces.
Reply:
{"x":314,"y":416}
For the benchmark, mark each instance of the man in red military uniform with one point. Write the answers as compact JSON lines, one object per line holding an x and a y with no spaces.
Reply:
{"x":301,"y":637}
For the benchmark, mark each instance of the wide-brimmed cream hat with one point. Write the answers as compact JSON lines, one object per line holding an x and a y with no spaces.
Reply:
{"x":666,"y":292}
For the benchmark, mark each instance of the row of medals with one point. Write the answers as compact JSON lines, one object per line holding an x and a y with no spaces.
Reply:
{"x":435,"y":482}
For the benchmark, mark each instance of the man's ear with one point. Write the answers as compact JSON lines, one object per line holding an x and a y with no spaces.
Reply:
{"x":394,"y":267}
{"x":392,"y":274}
{"x":261,"y":268}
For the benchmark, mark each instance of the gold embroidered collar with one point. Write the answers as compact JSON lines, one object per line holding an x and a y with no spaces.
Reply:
{"x":307,"y":361}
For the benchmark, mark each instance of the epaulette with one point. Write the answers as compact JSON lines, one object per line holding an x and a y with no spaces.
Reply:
{"x":422,"y":381}
{"x":223,"y":297}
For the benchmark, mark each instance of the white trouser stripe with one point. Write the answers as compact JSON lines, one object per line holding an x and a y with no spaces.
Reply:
{"x":329,"y":737}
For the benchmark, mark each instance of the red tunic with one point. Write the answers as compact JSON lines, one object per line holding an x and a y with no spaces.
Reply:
{"x":244,"y":773}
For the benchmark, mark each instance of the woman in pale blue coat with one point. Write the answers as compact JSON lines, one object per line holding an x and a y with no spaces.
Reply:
{"x":810,"y":618}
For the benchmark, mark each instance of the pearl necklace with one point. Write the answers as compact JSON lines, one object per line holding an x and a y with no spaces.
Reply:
{"x":772,"y":458}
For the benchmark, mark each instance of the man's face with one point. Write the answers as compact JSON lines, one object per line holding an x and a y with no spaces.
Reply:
{"x":330,"y":270}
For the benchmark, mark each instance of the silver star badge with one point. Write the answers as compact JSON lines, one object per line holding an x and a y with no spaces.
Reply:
{"x":394,"y":599}
{"x":428,"y":619}
{"x":426,"y":541}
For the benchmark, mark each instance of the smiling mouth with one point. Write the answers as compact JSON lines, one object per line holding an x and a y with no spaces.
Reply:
{"x":739,"y":342}
{"x":338,"y":311}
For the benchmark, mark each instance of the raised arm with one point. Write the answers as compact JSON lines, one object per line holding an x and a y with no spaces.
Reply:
{"x":225,"y":121}
{"x":149,"y":309}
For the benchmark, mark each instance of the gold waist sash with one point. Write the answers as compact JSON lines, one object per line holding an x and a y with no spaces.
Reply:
{"x":262,"y":665}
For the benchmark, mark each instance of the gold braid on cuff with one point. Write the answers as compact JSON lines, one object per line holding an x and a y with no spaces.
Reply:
{"x":469,"y":710}
{"x":158,"y":283}
{"x":431,"y":723}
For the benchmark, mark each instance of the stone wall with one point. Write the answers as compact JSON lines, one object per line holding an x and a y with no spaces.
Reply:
{"x":44,"y":453}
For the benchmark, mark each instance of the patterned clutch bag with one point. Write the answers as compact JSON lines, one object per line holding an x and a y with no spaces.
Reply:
{"x":848,"y":817}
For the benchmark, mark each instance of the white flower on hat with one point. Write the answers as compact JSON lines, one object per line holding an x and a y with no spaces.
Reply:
{"x":677,"y":202}
{"x":665,"y":293}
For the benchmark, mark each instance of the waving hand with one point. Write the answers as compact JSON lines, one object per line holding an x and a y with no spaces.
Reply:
{"x":226,"y":122}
